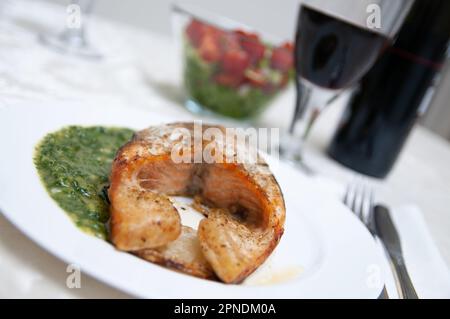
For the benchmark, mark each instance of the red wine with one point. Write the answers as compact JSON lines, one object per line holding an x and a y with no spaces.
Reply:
{"x":332,"y":53}
{"x":381,"y":114}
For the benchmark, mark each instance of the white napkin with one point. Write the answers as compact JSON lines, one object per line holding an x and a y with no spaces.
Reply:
{"x":428,"y":271}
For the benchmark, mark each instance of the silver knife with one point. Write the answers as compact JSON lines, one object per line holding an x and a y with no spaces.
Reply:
{"x":391,"y":241}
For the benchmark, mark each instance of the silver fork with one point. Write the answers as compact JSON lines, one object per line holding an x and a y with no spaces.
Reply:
{"x":359,"y":197}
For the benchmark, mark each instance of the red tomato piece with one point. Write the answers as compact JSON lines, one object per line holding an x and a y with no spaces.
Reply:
{"x":229,"y":42}
{"x":282,"y":59}
{"x":251,"y":44}
{"x":235,"y":62}
{"x":209,"y":48}
{"x":195,"y":32}
{"x":288,"y":46}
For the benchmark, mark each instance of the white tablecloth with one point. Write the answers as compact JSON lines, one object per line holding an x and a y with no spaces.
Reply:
{"x":141,"y":71}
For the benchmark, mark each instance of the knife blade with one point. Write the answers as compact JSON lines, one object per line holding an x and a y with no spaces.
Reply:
{"x":390,"y":238}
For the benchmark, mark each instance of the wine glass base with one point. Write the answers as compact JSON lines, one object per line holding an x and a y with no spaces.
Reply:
{"x":291,"y":151}
{"x":291,"y":147}
{"x":62,"y":45}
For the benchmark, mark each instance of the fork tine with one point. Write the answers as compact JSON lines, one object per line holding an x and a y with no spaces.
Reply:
{"x":359,"y":198}
{"x":353,"y":197}
{"x":365,"y":202}
{"x":350,"y":196}
{"x":347,"y":196}
{"x":356,"y":205}
{"x":370,"y":220}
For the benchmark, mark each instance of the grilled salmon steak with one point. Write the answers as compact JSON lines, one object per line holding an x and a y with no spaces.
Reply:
{"x":244,"y":207}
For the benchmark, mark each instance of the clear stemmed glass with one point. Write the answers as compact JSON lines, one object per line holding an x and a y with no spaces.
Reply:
{"x":336,"y":44}
{"x":72,"y":39}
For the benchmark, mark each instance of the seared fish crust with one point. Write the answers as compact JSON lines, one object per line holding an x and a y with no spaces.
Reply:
{"x":245,"y":217}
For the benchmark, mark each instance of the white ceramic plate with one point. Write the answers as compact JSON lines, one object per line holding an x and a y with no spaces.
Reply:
{"x":325,"y":251}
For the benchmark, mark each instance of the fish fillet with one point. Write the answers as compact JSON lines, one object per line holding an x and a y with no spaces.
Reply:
{"x":245,"y":205}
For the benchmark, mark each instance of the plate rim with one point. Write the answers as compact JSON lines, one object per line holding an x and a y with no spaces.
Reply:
{"x":63,"y":255}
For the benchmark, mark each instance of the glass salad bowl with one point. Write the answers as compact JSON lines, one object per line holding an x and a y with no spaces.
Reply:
{"x":228,"y":69}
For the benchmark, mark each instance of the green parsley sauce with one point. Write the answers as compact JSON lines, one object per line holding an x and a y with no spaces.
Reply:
{"x":74,"y":165}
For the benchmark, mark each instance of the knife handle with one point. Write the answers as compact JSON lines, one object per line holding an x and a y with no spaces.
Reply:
{"x":406,"y":286}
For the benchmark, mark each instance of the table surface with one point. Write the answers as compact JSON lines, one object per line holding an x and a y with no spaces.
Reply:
{"x":141,"y":70}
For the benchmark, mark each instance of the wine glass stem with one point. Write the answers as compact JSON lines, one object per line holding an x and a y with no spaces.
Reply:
{"x":311,"y":100}
{"x":314,"y":114}
{"x":303,"y":110}
{"x":301,"y":102}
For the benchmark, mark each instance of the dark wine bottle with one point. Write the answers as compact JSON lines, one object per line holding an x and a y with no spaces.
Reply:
{"x":394,"y":92}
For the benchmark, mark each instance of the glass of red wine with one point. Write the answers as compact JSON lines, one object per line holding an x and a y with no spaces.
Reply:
{"x":336,"y":43}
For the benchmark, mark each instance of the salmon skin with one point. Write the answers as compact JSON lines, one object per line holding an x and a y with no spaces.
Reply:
{"x":244,"y":206}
